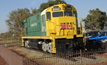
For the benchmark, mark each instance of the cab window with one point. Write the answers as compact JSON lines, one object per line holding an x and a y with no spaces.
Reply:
{"x":48,"y":14}
{"x":57,"y":14}
{"x":75,"y":14}
{"x":102,"y":34}
{"x":106,"y":34}
{"x":43,"y":18}
{"x":67,"y":13}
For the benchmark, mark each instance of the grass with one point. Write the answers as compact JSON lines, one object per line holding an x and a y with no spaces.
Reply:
{"x":7,"y":41}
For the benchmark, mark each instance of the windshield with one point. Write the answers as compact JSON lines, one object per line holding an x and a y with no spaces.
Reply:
{"x":67,"y":13}
{"x":92,"y":34}
{"x":57,"y":14}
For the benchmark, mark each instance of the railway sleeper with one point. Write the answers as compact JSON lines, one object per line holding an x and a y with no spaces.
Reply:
{"x":91,"y":57}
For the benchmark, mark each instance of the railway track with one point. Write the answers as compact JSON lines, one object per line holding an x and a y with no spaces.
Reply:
{"x":69,"y":56}
{"x":88,"y":55}
{"x":76,"y":57}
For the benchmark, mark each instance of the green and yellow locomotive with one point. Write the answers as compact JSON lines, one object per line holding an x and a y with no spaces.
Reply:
{"x":54,"y":30}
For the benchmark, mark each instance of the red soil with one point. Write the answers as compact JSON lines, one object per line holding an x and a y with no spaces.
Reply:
{"x":2,"y":61}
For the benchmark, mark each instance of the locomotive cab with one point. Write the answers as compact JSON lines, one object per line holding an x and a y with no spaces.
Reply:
{"x":61,"y":20}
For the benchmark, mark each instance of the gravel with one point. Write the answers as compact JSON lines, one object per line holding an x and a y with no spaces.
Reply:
{"x":43,"y":57}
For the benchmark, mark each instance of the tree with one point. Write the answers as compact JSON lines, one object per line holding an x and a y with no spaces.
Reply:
{"x":48,"y":4}
{"x":6,"y":35}
{"x":34,"y":11}
{"x":96,"y":19}
{"x":15,"y":21}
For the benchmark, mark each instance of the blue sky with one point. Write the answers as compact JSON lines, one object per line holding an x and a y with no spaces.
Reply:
{"x":83,"y":7}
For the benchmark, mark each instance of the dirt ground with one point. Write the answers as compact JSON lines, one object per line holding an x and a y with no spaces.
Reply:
{"x":2,"y":61}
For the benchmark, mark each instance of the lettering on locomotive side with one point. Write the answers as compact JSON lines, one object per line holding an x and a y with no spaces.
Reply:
{"x":34,"y":24}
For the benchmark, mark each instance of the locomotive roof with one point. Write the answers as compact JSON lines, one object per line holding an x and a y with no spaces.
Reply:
{"x":44,"y":11}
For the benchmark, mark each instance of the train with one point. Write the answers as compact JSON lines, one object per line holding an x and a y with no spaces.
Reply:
{"x":96,"y":40}
{"x":54,"y":30}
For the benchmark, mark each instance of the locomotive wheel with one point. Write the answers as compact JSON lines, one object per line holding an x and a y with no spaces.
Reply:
{"x":44,"y":46}
{"x":26,"y":44}
{"x":49,"y":48}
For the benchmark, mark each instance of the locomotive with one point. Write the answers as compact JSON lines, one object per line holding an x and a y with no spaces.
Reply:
{"x":54,"y":30}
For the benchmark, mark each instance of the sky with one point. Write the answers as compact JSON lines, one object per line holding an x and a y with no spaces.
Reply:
{"x":83,"y":7}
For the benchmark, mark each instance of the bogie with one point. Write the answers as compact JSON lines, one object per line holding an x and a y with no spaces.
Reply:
{"x":27,"y":43}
